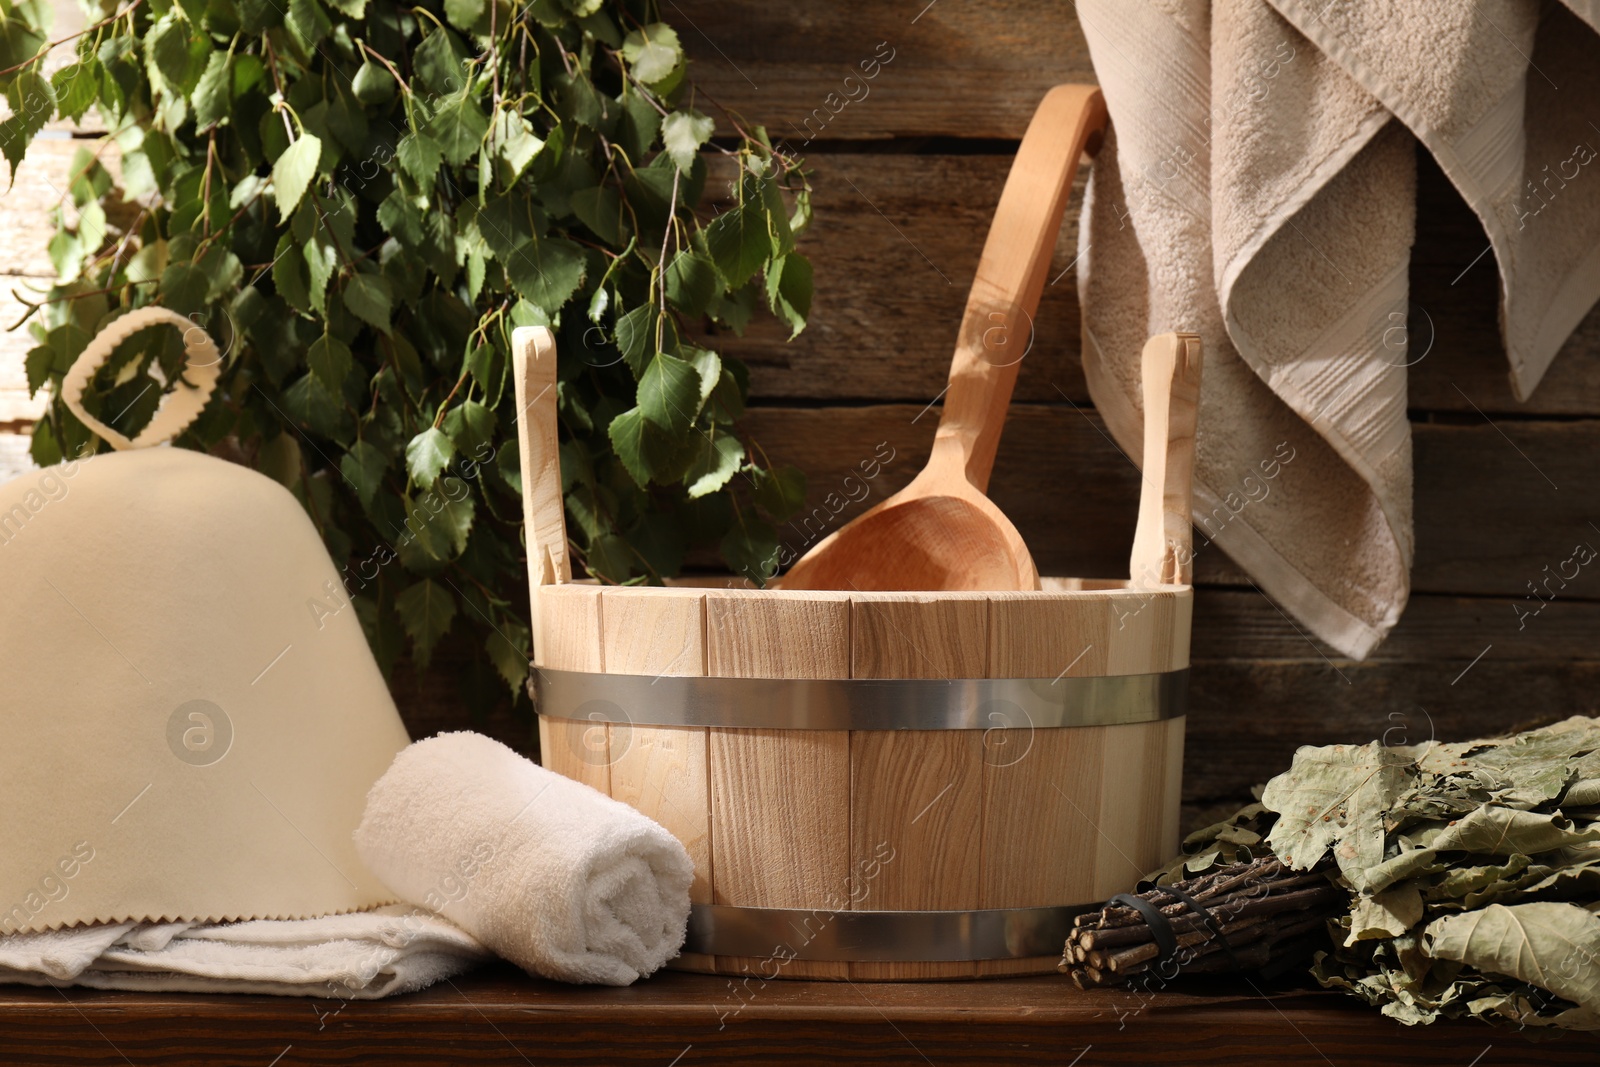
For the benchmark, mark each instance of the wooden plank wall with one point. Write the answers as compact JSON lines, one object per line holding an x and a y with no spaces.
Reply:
{"x":906,"y":177}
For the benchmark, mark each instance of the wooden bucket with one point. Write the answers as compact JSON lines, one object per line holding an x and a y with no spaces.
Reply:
{"x":880,"y":785}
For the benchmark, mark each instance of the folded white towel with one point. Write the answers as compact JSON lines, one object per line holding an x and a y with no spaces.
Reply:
{"x":549,"y":873}
{"x":359,"y":956}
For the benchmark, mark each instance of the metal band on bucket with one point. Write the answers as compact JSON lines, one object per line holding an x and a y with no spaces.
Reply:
{"x":860,"y":703}
{"x":880,"y":936}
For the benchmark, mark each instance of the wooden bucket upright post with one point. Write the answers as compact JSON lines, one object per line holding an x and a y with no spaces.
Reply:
{"x":880,"y":785}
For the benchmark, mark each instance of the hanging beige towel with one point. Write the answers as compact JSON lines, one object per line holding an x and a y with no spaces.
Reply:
{"x":1259,"y":188}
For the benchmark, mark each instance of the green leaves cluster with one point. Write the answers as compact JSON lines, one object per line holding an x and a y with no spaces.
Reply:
{"x":361,"y":201}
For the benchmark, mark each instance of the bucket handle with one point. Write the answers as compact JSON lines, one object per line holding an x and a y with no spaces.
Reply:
{"x":1163,"y":551}
{"x":178,"y":408}
{"x":533,"y":364}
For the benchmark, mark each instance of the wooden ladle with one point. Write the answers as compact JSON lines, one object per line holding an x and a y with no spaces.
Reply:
{"x":941,"y":532}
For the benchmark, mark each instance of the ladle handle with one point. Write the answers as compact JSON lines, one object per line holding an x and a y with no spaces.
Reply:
{"x":997,"y":327}
{"x":1163,"y":552}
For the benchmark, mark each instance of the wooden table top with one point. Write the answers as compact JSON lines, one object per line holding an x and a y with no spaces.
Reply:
{"x":498,"y":1016}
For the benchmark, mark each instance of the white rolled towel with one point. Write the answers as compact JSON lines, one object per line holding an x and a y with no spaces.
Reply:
{"x":554,"y":876}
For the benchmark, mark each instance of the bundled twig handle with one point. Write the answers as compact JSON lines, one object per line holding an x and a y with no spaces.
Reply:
{"x":1240,"y":918}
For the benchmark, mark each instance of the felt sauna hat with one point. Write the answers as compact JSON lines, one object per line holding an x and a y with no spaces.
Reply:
{"x":190,"y":712}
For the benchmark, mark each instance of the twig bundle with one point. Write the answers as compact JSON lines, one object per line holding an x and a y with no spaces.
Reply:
{"x":1255,"y":914}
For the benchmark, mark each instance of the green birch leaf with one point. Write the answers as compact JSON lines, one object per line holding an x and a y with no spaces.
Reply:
{"x":44,"y":450}
{"x":708,"y":365}
{"x":717,"y":460}
{"x":151,"y":260}
{"x":258,"y":15}
{"x":682,"y":134}
{"x":779,"y":234}
{"x":440,"y":62}
{"x":248,"y":71}
{"x":547,"y":272}
{"x":426,"y":611}
{"x":639,"y":126}
{"x":602,"y":28}
{"x":652,"y":52}
{"x":487,"y":366}
{"x":368,"y":298}
{"x":321,"y":262}
{"x":577,"y":99}
{"x":515,"y":144}
{"x":184,"y":287}
{"x":212,"y":98}
{"x":735,"y":309}
{"x":348,"y":123}
{"x":470,"y":425}
{"x":669,"y":394}
{"x":600,"y":209}
{"x":373,"y":84}
{"x":76,"y":87}
{"x":598,"y":304}
{"x":789,"y":290}
{"x":310,"y":403}
{"x":428,"y":454}
{"x":692,"y":282}
{"x":33,"y":103}
{"x":290,"y":276}
{"x":401,"y":216}
{"x":628,"y":440}
{"x":364,"y":467}
{"x":38,"y":364}
{"x":726,"y":404}
{"x":92,"y":226}
{"x":477,"y":271}
{"x":635,"y":333}
{"x":458,"y":127}
{"x":464,"y":14}
{"x":801,"y":219}
{"x":293,"y":171}
{"x":510,"y":648}
{"x":508,"y":224}
{"x":438,"y":527}
{"x":780,"y":492}
{"x":420,"y":156}
{"x":330,"y":360}
{"x":737,"y":240}
{"x":20,"y":40}
{"x":308,"y":22}
{"x":167,"y":50}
